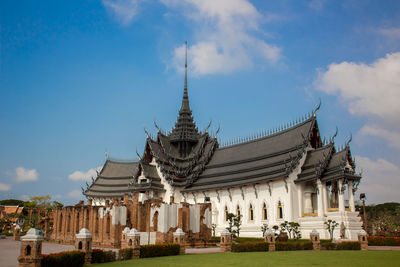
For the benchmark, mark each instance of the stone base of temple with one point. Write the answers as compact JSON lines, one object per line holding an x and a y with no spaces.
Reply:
{"x":351,"y":220}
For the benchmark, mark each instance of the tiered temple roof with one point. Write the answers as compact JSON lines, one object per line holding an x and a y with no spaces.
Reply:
{"x":113,"y":180}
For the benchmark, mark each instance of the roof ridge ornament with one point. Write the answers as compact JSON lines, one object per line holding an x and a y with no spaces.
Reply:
{"x":348,"y":141}
{"x":317,"y":108}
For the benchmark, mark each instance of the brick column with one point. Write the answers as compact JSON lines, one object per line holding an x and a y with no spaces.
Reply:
{"x":17,"y":233}
{"x":31,"y":249}
{"x":179,"y":238}
{"x":270,"y":239}
{"x":226,"y":241}
{"x":362,"y":238}
{"x":134,"y":242}
{"x":314,"y":236}
{"x":83,"y":242}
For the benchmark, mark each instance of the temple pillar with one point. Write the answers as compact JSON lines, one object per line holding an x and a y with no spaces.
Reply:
{"x":341,"y":196}
{"x":179,"y":238}
{"x":17,"y":233}
{"x":226,"y":241}
{"x":134,"y":242}
{"x":320,"y":199}
{"x":300,"y":199}
{"x":270,"y":239}
{"x":83,"y":242}
{"x":325,"y":196}
{"x":31,"y":249}
{"x":351,"y":196}
{"x":314,"y":236}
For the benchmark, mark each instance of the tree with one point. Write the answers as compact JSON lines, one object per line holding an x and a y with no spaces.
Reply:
{"x":237,"y":222}
{"x":264,"y":229}
{"x":41,"y":201}
{"x":285,"y":228}
{"x":230,"y":217}
{"x":294,"y":227}
{"x":213,"y":228}
{"x":234,"y":221}
{"x":331,"y":225}
{"x":275,"y":228}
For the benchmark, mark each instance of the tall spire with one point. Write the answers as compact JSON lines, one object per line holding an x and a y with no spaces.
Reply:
{"x":185,"y":133}
{"x":185,"y":100}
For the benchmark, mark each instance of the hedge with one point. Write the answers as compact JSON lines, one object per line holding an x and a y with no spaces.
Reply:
{"x":125,"y":254}
{"x":64,"y":259}
{"x":249,"y":239}
{"x":383,"y":241}
{"x":348,"y":246}
{"x":148,"y":251}
{"x":341,"y":246}
{"x":299,"y":245}
{"x":249,"y":247}
{"x":100,"y":256}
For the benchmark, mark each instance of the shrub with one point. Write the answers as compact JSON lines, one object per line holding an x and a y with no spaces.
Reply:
{"x":125,"y":254}
{"x":328,"y":245}
{"x":299,"y":245}
{"x":217,"y":238}
{"x":249,"y":239}
{"x":348,"y":246}
{"x":250,"y":247}
{"x":100,"y":256}
{"x":148,"y":251}
{"x":64,"y":259}
{"x":383,"y":241}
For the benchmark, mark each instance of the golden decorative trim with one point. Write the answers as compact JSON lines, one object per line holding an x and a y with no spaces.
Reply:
{"x":333,"y":209}
{"x":310,"y":214}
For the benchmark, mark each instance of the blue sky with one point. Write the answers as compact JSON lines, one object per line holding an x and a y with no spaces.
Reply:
{"x":81,"y":78}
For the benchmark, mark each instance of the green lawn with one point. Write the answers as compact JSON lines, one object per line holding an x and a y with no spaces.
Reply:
{"x":281,"y":258}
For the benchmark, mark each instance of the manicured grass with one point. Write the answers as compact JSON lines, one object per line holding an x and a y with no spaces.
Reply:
{"x":281,"y":258}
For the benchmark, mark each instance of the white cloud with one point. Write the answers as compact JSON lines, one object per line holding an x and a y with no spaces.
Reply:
{"x":123,"y":10}
{"x":5,"y":187}
{"x":391,"y":33}
{"x":24,"y":175}
{"x":371,"y":90}
{"x":226,"y":30}
{"x":75,"y":194}
{"x":84,"y":176}
{"x":381,"y":180}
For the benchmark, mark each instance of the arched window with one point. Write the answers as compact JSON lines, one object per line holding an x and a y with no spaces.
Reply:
{"x":251,"y":213}
{"x":80,"y":245}
{"x":27,"y":250}
{"x":69,"y":223}
{"x":108,"y":226}
{"x":264,"y":212}
{"x":61,"y":222}
{"x":226,"y":213}
{"x":77,"y":223}
{"x":280,"y":210}
{"x":238,"y":211}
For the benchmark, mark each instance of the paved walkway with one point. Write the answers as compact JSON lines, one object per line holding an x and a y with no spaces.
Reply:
{"x":9,"y":250}
{"x":202,"y":250}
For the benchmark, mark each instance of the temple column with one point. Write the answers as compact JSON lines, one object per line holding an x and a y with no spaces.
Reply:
{"x":325,"y":196}
{"x":351,"y":195}
{"x":320,"y":199}
{"x":341,"y":195}
{"x":300,"y":199}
